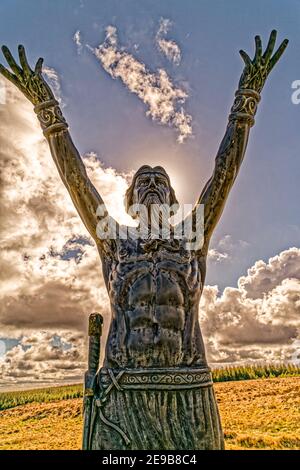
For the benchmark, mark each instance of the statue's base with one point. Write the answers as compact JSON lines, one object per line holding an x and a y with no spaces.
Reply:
{"x":155,"y":409}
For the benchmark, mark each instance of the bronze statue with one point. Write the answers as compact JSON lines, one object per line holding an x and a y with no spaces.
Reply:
{"x":154,"y":390}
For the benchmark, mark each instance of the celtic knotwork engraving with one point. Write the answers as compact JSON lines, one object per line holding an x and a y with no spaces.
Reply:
{"x":38,"y":89}
{"x":255,"y":78}
{"x":256,"y":71}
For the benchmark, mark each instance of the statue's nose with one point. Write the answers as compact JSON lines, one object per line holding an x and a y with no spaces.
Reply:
{"x":152,"y":182}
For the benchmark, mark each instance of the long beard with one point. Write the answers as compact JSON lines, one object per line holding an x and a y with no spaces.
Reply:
{"x":155,"y":220}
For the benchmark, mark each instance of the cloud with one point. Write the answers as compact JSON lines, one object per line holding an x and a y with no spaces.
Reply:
{"x":167,"y":47}
{"x":50,"y":270}
{"x":43,"y":358}
{"x":228,"y":244}
{"x":163,"y":99}
{"x":77,"y":40}
{"x":216,"y":256}
{"x":2,"y":91}
{"x":258,"y":320}
{"x":263,"y":277}
{"x":226,"y":250}
{"x":2,"y":347}
{"x":51,"y":276}
{"x":54,"y":82}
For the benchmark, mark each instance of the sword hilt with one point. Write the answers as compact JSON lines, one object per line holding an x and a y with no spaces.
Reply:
{"x":95,"y":332}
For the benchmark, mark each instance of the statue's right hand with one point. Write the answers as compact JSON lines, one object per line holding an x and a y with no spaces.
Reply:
{"x":30,"y":82}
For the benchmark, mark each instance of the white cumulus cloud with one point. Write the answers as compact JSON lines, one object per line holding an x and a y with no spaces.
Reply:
{"x":263,"y":277}
{"x":163,"y":99}
{"x":259,"y":319}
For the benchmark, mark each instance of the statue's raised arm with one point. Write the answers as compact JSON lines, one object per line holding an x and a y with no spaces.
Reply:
{"x":233,"y":146}
{"x":68,"y":161}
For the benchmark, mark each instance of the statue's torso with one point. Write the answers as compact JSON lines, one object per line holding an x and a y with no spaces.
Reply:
{"x":154,"y":289}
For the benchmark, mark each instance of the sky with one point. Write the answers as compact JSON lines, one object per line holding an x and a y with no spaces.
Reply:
{"x":185,"y":52}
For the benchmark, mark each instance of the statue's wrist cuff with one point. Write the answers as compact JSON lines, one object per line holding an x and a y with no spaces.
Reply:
{"x":245,"y":105}
{"x":50,"y":116}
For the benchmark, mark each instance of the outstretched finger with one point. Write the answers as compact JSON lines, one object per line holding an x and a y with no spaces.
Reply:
{"x":245,"y":58}
{"x":258,"y":48}
{"x":23,"y":60}
{"x":270,"y":46}
{"x":11,"y":61}
{"x":278,"y":53}
{"x":39,"y":65}
{"x":10,"y":76}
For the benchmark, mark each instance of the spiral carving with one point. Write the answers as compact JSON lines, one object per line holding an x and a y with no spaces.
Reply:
{"x":161,"y":379}
{"x":50,"y":116}
{"x":245,"y":105}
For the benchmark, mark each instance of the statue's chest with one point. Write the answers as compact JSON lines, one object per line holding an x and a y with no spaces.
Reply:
{"x":154,"y":269}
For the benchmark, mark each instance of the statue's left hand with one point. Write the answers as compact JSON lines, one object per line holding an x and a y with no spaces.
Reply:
{"x":30,"y":82}
{"x":257,"y":70}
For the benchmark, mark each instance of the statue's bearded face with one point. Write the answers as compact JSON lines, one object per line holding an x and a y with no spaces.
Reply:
{"x":151,"y":188}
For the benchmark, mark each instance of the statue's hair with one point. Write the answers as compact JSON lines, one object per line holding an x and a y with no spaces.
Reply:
{"x":147,"y":169}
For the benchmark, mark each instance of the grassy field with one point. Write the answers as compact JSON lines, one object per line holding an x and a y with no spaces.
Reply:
{"x":256,"y":414}
{"x":45,"y":395}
